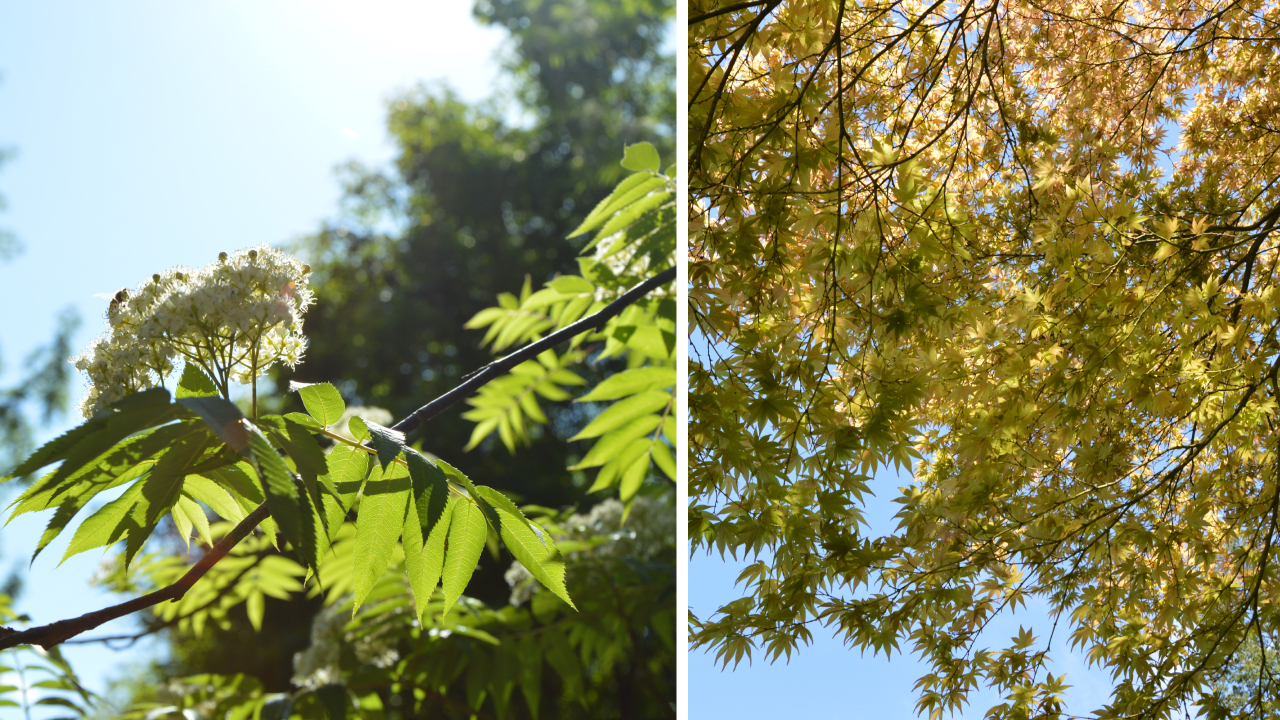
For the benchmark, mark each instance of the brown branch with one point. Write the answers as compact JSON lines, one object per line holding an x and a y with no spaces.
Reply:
{"x":134,"y":638}
{"x":47,"y":636}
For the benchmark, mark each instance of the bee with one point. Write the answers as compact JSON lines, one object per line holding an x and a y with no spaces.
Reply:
{"x":116,"y":298}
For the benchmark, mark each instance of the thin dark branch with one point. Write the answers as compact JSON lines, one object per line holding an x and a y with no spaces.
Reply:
{"x":474,"y":380}
{"x":46,"y":636}
{"x":694,"y":20}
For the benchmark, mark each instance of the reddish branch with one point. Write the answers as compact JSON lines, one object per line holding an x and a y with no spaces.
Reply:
{"x":46,"y":636}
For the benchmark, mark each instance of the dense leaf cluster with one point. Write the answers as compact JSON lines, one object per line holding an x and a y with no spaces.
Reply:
{"x":1026,"y":250}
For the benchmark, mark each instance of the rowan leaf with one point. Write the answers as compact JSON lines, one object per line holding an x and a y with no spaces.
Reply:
{"x":378,"y":525}
{"x":323,"y":402}
{"x":467,"y":533}
{"x":535,"y":550}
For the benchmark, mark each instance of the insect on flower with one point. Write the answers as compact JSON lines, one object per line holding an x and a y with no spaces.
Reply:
{"x":116,"y":298}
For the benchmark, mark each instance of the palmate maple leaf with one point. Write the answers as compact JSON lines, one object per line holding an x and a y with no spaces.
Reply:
{"x":1027,"y":251}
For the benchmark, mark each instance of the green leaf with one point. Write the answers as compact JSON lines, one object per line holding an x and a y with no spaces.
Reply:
{"x":301,"y":445}
{"x":348,"y":467}
{"x":608,"y":447}
{"x":357,"y":428}
{"x":305,"y":420}
{"x":255,"y":606}
{"x":323,"y":401}
{"x":182,"y":522}
{"x":630,"y":382}
{"x":106,"y":526}
{"x":628,"y":191}
{"x":195,"y":383}
{"x":572,"y":285}
{"x":502,"y":502}
{"x":623,"y":412}
{"x":73,"y":502}
{"x":283,"y":496}
{"x":424,"y":560}
{"x":663,"y":458}
{"x":238,"y":479}
{"x":223,"y":417}
{"x":630,"y":214}
{"x":467,"y":533}
{"x":641,"y":156}
{"x":161,"y":489}
{"x":75,"y":439}
{"x":214,"y":495}
{"x":76,"y":448}
{"x":387,"y":442}
{"x":536,"y":551}
{"x":430,"y":489}
{"x":632,"y":478}
{"x":197,"y":516}
{"x":378,"y":526}
{"x":99,"y":475}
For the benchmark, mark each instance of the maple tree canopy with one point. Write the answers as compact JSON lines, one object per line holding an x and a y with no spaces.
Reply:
{"x":1026,"y":250}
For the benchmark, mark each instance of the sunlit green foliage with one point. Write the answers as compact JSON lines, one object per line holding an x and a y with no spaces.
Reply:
{"x":1026,"y":251}
{"x":634,"y":240}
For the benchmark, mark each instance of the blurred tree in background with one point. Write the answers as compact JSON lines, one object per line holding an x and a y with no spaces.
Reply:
{"x":478,"y":202}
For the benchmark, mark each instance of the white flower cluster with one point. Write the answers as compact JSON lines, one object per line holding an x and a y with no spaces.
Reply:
{"x":650,"y":530}
{"x":233,"y":319}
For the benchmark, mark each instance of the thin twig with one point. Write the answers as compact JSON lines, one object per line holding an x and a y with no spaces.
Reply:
{"x":47,"y":636}
{"x":474,"y":380}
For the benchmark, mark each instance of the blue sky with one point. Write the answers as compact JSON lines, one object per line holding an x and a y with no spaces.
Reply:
{"x":829,"y":680}
{"x":155,"y":134}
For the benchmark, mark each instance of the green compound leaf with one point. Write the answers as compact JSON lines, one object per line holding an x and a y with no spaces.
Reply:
{"x":100,"y":474}
{"x":378,"y":526}
{"x":608,"y":447}
{"x":535,"y":551}
{"x":641,"y":156}
{"x":76,"y":500}
{"x":194,"y":383}
{"x":630,"y":382}
{"x":323,"y":401}
{"x":76,"y":447}
{"x":467,"y":533}
{"x":387,"y":442}
{"x":623,"y":412}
